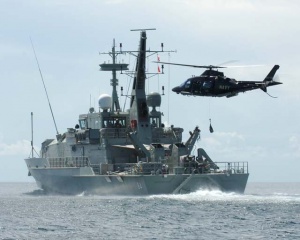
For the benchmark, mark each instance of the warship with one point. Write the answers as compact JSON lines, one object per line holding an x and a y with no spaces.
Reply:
{"x":114,"y":152}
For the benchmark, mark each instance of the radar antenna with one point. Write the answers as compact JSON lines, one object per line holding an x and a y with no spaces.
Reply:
{"x":114,"y":67}
{"x":123,"y":67}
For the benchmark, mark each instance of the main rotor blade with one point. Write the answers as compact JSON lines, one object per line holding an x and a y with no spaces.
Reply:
{"x":210,"y":66}
{"x":227,"y":62}
{"x":245,"y":66}
{"x":187,"y":65}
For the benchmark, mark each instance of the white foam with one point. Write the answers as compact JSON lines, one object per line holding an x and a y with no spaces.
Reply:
{"x":81,"y":194}
{"x":216,"y":195}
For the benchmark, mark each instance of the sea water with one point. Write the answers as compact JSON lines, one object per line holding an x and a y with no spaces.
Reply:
{"x":265,"y":211}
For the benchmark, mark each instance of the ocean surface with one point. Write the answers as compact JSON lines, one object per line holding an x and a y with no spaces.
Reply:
{"x":265,"y":211}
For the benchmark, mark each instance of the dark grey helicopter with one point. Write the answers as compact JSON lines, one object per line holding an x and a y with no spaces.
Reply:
{"x":212,"y":83}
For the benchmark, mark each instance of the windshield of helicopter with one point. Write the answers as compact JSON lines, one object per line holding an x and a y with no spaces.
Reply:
{"x":231,"y":80}
{"x":187,"y":84}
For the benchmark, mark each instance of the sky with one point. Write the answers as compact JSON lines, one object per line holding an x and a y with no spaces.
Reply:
{"x":69,"y":35}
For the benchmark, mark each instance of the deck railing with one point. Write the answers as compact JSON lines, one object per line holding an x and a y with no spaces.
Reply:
{"x":151,"y":168}
{"x":232,"y":167}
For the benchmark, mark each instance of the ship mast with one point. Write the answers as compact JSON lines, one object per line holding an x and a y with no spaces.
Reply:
{"x":139,"y":113}
{"x":31,"y":142}
{"x":114,"y":67}
{"x":114,"y":83}
{"x":32,"y":149}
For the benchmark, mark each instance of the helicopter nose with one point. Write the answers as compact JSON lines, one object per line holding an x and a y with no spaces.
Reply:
{"x":176,"y":89}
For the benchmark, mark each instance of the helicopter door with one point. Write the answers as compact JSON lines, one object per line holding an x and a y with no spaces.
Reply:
{"x":197,"y":86}
{"x":207,"y":86}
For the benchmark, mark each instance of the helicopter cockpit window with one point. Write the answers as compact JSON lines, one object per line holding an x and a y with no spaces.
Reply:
{"x":187,"y":84}
{"x":207,"y":84}
{"x":231,"y":80}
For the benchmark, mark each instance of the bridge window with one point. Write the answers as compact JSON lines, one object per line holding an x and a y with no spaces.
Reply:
{"x":119,"y":122}
{"x":114,"y":122}
{"x":82,"y":123}
{"x":154,"y":121}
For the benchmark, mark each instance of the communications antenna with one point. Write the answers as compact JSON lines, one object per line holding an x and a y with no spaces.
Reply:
{"x":44,"y":87}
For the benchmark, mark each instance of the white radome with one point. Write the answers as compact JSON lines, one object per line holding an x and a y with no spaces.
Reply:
{"x":104,"y":101}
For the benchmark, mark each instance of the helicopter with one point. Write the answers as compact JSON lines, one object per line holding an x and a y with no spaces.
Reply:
{"x":212,"y":83}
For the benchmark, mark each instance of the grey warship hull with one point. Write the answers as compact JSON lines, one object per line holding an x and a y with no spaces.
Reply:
{"x":112,"y":152}
{"x":62,"y":181}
